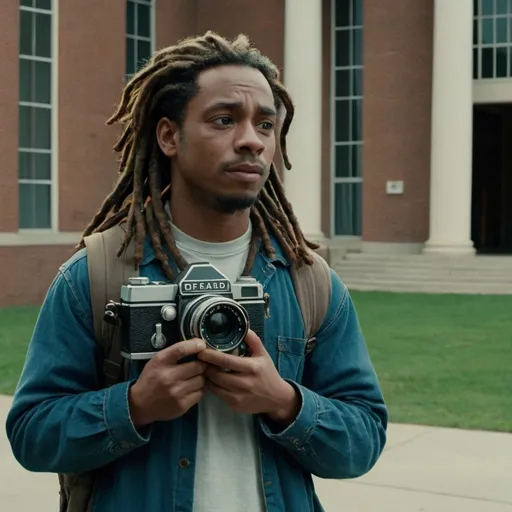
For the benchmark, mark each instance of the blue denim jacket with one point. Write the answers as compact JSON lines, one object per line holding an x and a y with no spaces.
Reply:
{"x":61,"y":421}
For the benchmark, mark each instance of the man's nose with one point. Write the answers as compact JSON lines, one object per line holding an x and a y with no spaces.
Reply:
{"x":249,"y":140}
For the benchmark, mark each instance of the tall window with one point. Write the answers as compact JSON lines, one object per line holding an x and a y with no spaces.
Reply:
{"x":35,"y":115}
{"x":347,"y":108}
{"x":492,"y":39}
{"x":139,"y":34}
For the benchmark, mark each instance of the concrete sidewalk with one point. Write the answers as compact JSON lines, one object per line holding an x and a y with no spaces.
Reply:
{"x":423,"y":469}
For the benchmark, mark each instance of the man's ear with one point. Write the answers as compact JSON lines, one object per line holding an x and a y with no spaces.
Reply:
{"x":167,"y":136}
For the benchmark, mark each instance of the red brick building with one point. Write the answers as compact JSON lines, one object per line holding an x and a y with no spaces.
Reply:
{"x":372,"y":80}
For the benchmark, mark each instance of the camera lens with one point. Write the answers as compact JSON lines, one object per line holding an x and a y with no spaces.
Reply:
{"x":218,"y":324}
{"x":221,"y":322}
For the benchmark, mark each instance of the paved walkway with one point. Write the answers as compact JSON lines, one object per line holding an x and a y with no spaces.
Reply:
{"x":423,"y":469}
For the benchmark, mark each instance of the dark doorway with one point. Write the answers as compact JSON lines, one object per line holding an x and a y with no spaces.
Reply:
{"x":491,"y":213}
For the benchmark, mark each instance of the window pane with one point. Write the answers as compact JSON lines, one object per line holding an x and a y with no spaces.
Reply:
{"x":342,"y":162}
{"x":501,"y":62}
{"x":501,"y":7}
{"x":25,"y":125}
{"x":487,"y":31}
{"x":43,"y":89}
{"x":342,"y":14}
{"x":343,"y":48}
{"x":143,"y":21}
{"x":357,"y":86}
{"x":357,"y":158}
{"x":27,"y":3}
{"x":487,"y":62}
{"x":343,"y":82}
{"x":357,"y":120}
{"x":43,"y":35}
{"x":143,"y":52}
{"x":342,"y":120}
{"x":487,"y":7}
{"x":34,"y":166}
{"x":34,"y":206}
{"x":26,"y":79}
{"x":501,"y":30}
{"x":44,"y":4}
{"x":43,"y":128}
{"x":130,"y":56}
{"x":130,"y":18}
{"x":475,"y":63}
{"x":348,"y":209}
{"x":26,"y":33}
{"x":475,"y":32}
{"x":357,"y":54}
{"x":35,"y":127}
{"x":358,"y":12}
{"x":35,"y":81}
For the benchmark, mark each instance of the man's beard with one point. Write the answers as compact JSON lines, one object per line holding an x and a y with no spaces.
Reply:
{"x":232,"y":204}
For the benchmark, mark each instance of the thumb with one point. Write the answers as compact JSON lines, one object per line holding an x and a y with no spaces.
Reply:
{"x":254,"y":343}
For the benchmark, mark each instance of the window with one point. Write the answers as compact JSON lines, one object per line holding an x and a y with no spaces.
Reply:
{"x":347,"y":93}
{"x":35,"y":115}
{"x":492,"y":39}
{"x":139,"y":34}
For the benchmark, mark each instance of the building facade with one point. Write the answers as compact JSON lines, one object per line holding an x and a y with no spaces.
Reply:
{"x":401,"y":140}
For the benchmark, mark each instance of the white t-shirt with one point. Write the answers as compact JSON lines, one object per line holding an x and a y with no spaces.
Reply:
{"x":227,"y":469}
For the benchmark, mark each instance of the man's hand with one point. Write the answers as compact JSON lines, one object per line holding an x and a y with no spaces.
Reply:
{"x":166,"y":389}
{"x":254,"y":385}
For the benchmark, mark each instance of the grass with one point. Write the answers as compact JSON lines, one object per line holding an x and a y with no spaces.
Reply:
{"x":16,"y":325}
{"x":442,"y":359}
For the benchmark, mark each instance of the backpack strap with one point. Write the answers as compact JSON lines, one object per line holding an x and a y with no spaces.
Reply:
{"x":313,"y":290}
{"x":107,"y":273}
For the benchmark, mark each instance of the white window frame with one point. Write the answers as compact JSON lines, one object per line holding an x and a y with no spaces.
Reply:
{"x":479,"y":19}
{"x":334,"y":179}
{"x":36,"y":233}
{"x":152,"y":27}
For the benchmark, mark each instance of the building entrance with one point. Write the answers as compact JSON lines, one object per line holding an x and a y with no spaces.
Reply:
{"x":491,"y":213}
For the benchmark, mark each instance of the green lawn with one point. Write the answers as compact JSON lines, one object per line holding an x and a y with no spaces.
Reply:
{"x":442,"y":359}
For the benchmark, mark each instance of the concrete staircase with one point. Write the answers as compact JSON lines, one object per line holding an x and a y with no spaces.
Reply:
{"x":425,"y":273}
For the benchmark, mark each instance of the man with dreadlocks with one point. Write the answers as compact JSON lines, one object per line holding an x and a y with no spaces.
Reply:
{"x":197,"y":182}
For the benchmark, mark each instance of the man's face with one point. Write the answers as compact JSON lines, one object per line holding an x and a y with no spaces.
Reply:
{"x":223,"y":152}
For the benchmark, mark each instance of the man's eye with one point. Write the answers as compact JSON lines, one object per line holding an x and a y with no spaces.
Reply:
{"x":267,"y":125}
{"x":223,"y":121}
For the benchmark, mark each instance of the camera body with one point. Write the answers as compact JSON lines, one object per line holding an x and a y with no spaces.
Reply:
{"x":202,"y":303}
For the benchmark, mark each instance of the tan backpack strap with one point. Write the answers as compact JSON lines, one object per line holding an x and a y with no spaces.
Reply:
{"x":313,"y":290}
{"x":107,"y":273}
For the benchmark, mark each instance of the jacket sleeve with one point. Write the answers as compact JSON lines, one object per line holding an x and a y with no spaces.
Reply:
{"x":60,"y":421}
{"x":340,"y":430}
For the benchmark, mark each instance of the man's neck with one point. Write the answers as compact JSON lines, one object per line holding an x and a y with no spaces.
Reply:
{"x":207,"y":225}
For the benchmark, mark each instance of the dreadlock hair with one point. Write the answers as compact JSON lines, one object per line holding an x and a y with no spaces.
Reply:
{"x":163,"y":88}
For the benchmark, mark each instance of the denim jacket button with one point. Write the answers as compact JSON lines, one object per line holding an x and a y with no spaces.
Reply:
{"x":184,"y":463}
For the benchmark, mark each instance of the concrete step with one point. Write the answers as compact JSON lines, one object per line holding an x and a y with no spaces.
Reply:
{"x":444,"y":273}
{"x":426,"y":262}
{"x":426,"y":273}
{"x":407,"y":275}
{"x":433,"y":287}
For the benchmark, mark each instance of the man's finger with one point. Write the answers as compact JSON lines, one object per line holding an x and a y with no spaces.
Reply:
{"x":173,"y":354}
{"x":256,"y":347}
{"x":231,"y":381}
{"x":224,"y":360}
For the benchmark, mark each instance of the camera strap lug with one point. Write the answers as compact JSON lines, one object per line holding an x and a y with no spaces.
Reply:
{"x":266,"y":298}
{"x":111,"y":313}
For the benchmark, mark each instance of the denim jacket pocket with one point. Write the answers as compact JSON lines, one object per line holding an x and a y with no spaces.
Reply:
{"x":291,"y":353}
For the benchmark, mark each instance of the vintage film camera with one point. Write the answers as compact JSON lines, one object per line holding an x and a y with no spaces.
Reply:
{"x":202,"y":303}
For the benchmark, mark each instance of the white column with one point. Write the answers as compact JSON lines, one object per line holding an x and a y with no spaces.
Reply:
{"x":452,"y":126}
{"x":303,"y":79}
